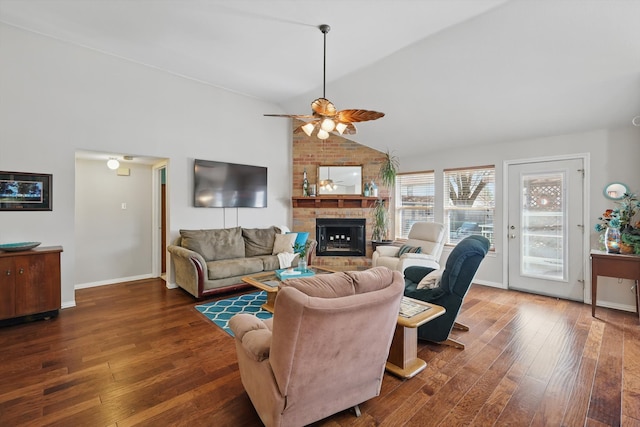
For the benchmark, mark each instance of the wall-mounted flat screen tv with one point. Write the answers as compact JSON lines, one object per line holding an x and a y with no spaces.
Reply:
{"x":229,"y":185}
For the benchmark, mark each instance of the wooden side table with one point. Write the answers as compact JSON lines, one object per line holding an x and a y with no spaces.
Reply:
{"x":403,"y":358}
{"x":614,"y":265}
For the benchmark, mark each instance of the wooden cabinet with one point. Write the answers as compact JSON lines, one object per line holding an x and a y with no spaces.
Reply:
{"x":30,"y":282}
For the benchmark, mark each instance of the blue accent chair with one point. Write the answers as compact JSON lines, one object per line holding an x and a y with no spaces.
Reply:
{"x":460,"y":269}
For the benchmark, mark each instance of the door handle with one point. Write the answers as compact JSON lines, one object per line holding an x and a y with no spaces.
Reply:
{"x":512,"y":236}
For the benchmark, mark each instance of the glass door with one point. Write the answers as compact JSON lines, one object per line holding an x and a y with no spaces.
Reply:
{"x":545,"y":229}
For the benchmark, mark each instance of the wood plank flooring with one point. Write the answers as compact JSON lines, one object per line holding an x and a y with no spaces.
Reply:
{"x":137,"y":354}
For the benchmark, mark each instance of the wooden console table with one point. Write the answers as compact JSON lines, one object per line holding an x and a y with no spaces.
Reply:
{"x":29,"y":284}
{"x":403,"y":358}
{"x":614,"y":265}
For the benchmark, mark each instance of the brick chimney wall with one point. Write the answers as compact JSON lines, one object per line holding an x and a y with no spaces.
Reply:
{"x":309,"y":153}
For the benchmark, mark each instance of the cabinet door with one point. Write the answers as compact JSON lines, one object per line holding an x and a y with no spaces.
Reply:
{"x":37,"y":283}
{"x":7,"y":288}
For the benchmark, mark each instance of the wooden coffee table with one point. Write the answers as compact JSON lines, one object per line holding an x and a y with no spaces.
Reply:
{"x":268,"y":281}
{"x":403,"y":358}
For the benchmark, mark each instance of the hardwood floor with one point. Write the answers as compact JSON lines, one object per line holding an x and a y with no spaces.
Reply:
{"x":139,"y":354}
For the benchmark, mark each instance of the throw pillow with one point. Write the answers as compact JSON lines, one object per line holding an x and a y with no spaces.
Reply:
{"x":431,"y":280}
{"x":284,"y":243}
{"x":301,"y":240}
{"x":409,"y":249}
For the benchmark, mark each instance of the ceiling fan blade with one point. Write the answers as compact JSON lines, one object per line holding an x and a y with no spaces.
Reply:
{"x":350,"y":130}
{"x":293,"y":116}
{"x":323,"y":107}
{"x":348,"y":116}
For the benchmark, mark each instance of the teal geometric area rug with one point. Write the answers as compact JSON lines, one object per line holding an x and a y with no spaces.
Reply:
{"x":219,"y":312}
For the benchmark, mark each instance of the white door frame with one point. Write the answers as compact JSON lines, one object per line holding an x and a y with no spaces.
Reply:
{"x":156,"y":255}
{"x":586,"y":245}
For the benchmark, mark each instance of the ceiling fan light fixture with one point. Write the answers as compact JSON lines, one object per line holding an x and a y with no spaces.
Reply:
{"x":113,"y":164}
{"x":322,"y":134}
{"x":328,"y":125}
{"x":308,"y":128}
{"x":324,"y":113}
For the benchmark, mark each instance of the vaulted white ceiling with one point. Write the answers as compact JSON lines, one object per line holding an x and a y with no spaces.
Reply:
{"x":447,"y":73}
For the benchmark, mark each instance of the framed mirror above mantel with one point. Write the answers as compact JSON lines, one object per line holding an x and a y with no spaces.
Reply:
{"x":339,"y":180}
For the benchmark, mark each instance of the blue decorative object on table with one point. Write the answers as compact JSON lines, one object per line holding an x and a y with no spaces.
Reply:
{"x":20,"y":246}
{"x":282,"y":273}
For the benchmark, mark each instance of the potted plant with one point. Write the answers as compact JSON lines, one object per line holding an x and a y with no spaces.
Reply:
{"x":620,"y":220}
{"x":380,"y":228}
{"x":301,"y":250}
{"x":387,"y":174}
{"x":389,"y":170}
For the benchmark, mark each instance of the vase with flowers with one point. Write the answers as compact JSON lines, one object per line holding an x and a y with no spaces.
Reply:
{"x":621,"y":230}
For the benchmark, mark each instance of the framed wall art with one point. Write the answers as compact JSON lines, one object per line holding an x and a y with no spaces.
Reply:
{"x":24,"y":191}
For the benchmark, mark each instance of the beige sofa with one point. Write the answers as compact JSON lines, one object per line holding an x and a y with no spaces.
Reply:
{"x":325,"y":348}
{"x":211,"y":261}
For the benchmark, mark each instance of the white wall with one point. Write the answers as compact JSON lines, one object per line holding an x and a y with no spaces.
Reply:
{"x":614,"y":156}
{"x":57,"y":98}
{"x":112,"y":244}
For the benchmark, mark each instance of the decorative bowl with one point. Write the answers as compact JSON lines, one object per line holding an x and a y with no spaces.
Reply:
{"x":20,"y":246}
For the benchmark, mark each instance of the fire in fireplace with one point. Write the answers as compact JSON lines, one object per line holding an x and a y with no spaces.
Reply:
{"x":341,"y":236}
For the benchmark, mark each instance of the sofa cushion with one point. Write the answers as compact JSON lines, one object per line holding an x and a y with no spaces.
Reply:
{"x":269,"y":262}
{"x":259,"y":241}
{"x":222,"y":269}
{"x":215,"y":244}
{"x":373,"y":279}
{"x":284,"y":243}
{"x":331,"y":285}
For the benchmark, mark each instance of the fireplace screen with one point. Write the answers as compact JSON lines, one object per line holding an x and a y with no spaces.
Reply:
{"x":340,"y":236}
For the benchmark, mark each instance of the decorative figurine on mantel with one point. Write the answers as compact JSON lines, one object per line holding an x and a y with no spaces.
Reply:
{"x":305,"y":184}
{"x":373,"y":189}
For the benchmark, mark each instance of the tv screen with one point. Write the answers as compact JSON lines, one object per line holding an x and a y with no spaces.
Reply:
{"x":229,"y":185}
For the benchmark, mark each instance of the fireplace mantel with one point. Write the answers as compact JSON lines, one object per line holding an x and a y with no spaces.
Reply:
{"x":348,"y":202}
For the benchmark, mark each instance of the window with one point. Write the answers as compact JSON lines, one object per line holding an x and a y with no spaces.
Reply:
{"x":415,"y":200}
{"x":469,"y":196}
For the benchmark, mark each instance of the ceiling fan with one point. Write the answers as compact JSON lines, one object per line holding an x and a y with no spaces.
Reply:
{"x":325,"y":118}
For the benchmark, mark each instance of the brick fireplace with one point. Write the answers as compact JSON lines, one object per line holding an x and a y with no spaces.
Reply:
{"x":341,"y":237}
{"x":309,"y":153}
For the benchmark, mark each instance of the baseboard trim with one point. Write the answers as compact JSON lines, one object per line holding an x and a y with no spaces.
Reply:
{"x":68,"y":304}
{"x":489,"y":283}
{"x":112,"y":281}
{"x":621,"y":307}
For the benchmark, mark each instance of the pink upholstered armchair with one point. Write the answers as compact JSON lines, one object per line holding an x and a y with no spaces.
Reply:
{"x":324,"y":350}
